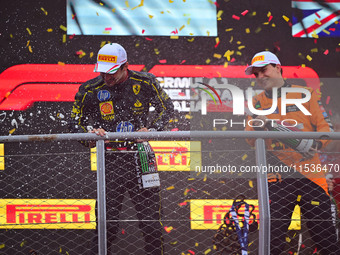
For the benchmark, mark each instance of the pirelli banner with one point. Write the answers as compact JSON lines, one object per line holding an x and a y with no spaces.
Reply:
{"x":47,"y":214}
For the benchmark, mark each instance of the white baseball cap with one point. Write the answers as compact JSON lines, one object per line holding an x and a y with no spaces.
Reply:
{"x":110,"y":57}
{"x":260,"y":59}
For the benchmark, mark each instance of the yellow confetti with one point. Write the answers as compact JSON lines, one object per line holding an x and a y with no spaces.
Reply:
{"x":11,"y":35}
{"x":191,"y":179}
{"x":60,"y":250}
{"x":247,"y":30}
{"x":220,"y":12}
{"x":61,"y":63}
{"x":217,"y":55}
{"x":252,"y":83}
{"x":269,"y":14}
{"x":186,"y":191}
{"x":315,"y":203}
{"x":225,"y":64}
{"x":326,"y":32}
{"x":113,"y":10}
{"x":191,"y":40}
{"x":244,"y":156}
{"x":188,"y":21}
{"x":208,"y":33}
{"x":11,"y":131}
{"x":207,"y":251}
{"x":97,"y":13}
{"x":29,"y":31}
{"x":63,"y":28}
{"x":208,"y":61}
{"x":2,"y":246}
{"x":106,"y":32}
{"x":273,"y":25}
{"x":181,"y":27}
{"x":303,"y":65}
{"x":22,"y":243}
{"x":44,"y":10}
{"x":241,"y":47}
{"x":170,"y":1}
{"x":231,"y":39}
{"x":91,"y":54}
{"x":49,"y":30}
{"x":170,"y":188}
{"x":206,"y":192}
{"x":173,"y":243}
{"x":288,"y":240}
{"x":315,"y":35}
{"x":174,"y":37}
{"x":285,"y":18}
{"x":150,"y":16}
{"x":30,"y":49}
{"x":205,"y":178}
{"x":258,"y":30}
{"x":187,"y":116}
{"x":309,"y":58}
{"x":102,"y":43}
{"x":28,"y":43}
{"x":229,"y":29}
{"x":317,"y":21}
{"x":64,"y":38}
{"x":251,"y":185}
{"x":298,"y":198}
{"x":314,"y":50}
{"x":196,"y":244}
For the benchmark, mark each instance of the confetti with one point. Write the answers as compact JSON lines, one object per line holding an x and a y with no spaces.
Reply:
{"x":217,"y":55}
{"x":328,"y":99}
{"x":251,"y":184}
{"x":123,"y":231}
{"x":244,"y":12}
{"x":219,"y":14}
{"x":298,"y":198}
{"x":326,"y":32}
{"x":235,"y":17}
{"x":174,"y":37}
{"x":317,"y":21}
{"x":244,"y":156}
{"x":170,"y":188}
{"x":11,"y":131}
{"x":309,"y":58}
{"x":191,"y":252}
{"x":207,"y":251}
{"x":61,"y":63}
{"x":63,"y":28}
{"x":108,"y":28}
{"x":44,"y":10}
{"x":247,"y":30}
{"x":181,"y":27}
{"x":168,"y":229}
{"x":150,"y":16}
{"x":2,"y":246}
{"x":49,"y":30}
{"x":147,"y":38}
{"x":30,"y":49}
{"x":285,"y":18}
{"x":315,"y":203}
{"x":162,"y":61}
{"x":29,"y":31}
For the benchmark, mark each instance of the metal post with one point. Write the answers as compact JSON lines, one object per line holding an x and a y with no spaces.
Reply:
{"x":101,"y":198}
{"x":263,"y":197}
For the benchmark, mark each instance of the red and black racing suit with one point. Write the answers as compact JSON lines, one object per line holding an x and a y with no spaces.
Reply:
{"x":125,"y":108}
{"x":306,"y":188}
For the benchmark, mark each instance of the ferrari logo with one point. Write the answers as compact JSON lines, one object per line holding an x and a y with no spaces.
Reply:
{"x":138,"y":104}
{"x":136,"y":89}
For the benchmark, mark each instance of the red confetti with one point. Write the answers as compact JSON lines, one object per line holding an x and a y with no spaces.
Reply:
{"x":330,"y":112}
{"x":317,"y":15}
{"x":143,"y":31}
{"x":123,"y":231}
{"x":244,"y":12}
{"x":232,"y":60}
{"x":71,"y":36}
{"x":236,"y":17}
{"x":217,"y":5}
{"x":168,"y":229}
{"x":217,"y":44}
{"x":315,"y":251}
{"x":326,"y":52}
{"x":174,"y":32}
{"x":290,"y":24}
{"x":210,"y":141}
{"x":191,"y":252}
{"x":183,"y":203}
{"x":327,"y":100}
{"x":331,"y":29}
{"x":147,"y":38}
{"x":73,"y":16}
{"x":183,"y":61}
{"x":162,"y":61}
{"x":270,"y":18}
{"x":315,"y":41}
{"x":79,"y":52}
{"x":303,"y":246}
{"x":174,"y":129}
{"x":337,"y":49}
{"x":108,"y":28}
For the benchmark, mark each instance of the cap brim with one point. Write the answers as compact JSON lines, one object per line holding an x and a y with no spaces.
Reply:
{"x":249,"y":69}
{"x":106,"y":68}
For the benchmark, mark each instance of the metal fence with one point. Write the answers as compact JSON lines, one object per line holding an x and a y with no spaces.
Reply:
{"x":71,"y":201}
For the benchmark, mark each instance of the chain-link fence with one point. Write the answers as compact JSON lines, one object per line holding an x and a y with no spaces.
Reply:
{"x":52,"y":203}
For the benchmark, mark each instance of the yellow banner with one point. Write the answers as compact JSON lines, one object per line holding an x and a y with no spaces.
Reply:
{"x":47,"y":213}
{"x":177,"y":155}
{"x":209,"y":213}
{"x":170,"y":156}
{"x":2,"y":158}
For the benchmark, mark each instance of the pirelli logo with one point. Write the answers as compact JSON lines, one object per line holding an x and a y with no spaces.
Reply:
{"x":209,"y":213}
{"x":258,"y":58}
{"x":47,"y":214}
{"x":107,"y":58}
